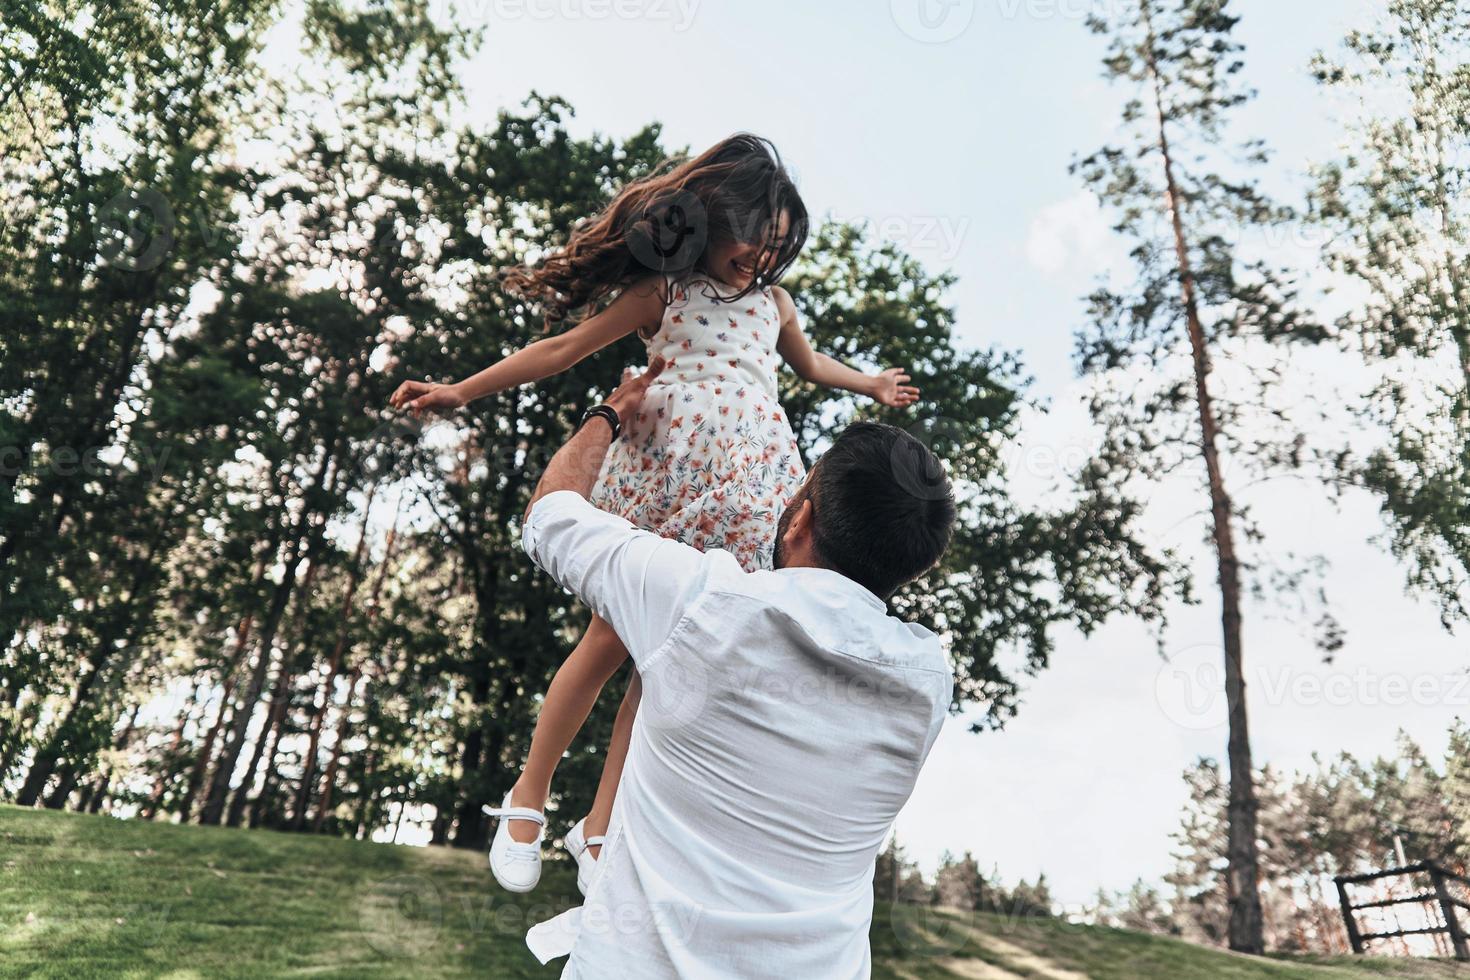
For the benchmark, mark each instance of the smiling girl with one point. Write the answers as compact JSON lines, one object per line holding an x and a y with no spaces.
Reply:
{"x":689,"y":259}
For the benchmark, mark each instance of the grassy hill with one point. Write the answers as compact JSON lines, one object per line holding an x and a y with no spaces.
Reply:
{"x":86,"y":896}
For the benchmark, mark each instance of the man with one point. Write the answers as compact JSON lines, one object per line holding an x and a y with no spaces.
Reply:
{"x":784,"y":720}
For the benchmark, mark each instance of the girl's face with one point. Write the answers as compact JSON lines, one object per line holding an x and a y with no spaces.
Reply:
{"x":735,"y":263}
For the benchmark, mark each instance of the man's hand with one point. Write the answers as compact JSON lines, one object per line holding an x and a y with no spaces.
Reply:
{"x":630,"y":394}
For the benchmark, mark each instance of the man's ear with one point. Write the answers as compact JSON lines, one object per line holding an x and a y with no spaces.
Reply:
{"x":800,"y":528}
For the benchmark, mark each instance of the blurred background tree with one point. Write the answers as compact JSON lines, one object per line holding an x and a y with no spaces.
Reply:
{"x":1397,"y":206}
{"x":266,"y":601}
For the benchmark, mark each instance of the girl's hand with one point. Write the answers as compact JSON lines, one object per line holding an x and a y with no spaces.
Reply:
{"x":421,"y":396}
{"x":891,"y":388}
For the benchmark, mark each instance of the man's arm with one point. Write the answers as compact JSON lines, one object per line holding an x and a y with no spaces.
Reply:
{"x":576,"y":464}
{"x":640,"y":583}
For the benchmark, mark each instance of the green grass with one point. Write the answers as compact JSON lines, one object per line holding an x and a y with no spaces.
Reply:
{"x":85,"y":896}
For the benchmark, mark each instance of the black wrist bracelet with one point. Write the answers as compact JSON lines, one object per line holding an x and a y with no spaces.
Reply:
{"x":606,"y":412}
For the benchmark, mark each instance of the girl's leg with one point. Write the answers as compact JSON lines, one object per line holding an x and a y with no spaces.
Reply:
{"x":612,"y":766}
{"x":569,"y":699}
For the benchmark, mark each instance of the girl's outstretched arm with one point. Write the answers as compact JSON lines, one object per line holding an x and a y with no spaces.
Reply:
{"x":637,"y":307}
{"x":890,"y":387}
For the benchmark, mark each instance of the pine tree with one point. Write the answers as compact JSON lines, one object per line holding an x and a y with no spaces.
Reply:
{"x":1184,"y":358}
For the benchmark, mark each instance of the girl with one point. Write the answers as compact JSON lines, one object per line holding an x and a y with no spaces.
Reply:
{"x":688,"y":258}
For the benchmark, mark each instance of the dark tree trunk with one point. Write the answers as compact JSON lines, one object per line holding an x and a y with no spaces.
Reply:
{"x":329,"y":778}
{"x":270,"y":739}
{"x":334,"y":665}
{"x":307,"y":539}
{"x":275,"y":531}
{"x":367,"y":808}
{"x":206,"y":748}
{"x":468,"y":829}
{"x":66,"y":784}
{"x":280,"y":696}
{"x":1246,"y":928}
{"x":439,"y":828}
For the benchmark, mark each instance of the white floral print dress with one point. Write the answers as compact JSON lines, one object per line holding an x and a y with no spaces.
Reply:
{"x":710,"y":459}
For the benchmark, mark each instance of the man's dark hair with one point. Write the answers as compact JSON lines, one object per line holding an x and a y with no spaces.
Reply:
{"x":884,"y":509}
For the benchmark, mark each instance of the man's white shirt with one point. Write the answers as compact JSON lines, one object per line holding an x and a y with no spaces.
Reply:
{"x":785,"y":718}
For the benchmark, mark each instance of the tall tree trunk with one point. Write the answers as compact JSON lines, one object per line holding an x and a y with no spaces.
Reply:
{"x":310,"y":530}
{"x":218,"y":786}
{"x":275,"y":531}
{"x":1246,"y":928}
{"x":272,"y":774}
{"x":280,"y":695}
{"x":160,"y":783}
{"x":206,"y":748}
{"x":329,"y":778}
{"x":367,"y":806}
{"x":334,"y":664}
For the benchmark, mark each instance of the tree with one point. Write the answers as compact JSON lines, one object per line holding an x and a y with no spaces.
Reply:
{"x":896,"y":878}
{"x":336,"y":595}
{"x":1344,"y":816}
{"x":1200,"y":306}
{"x":959,"y":883}
{"x":1398,"y":206}
{"x":93,"y":494}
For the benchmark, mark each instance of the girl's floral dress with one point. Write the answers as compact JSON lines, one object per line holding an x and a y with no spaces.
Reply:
{"x":710,"y":459}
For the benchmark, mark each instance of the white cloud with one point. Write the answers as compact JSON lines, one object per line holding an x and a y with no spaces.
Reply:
{"x":1071,"y":236}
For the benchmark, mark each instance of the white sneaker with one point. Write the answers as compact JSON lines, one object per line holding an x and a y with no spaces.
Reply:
{"x":577,"y":844}
{"x":515,"y":865}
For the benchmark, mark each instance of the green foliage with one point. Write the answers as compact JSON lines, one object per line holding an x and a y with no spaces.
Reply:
{"x":328,"y":600}
{"x":1398,"y":206}
{"x":106,"y":99}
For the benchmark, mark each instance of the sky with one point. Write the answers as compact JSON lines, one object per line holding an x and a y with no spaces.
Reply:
{"x":949,"y":126}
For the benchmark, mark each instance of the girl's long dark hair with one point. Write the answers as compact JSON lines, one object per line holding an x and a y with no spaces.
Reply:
{"x":664,"y":224}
